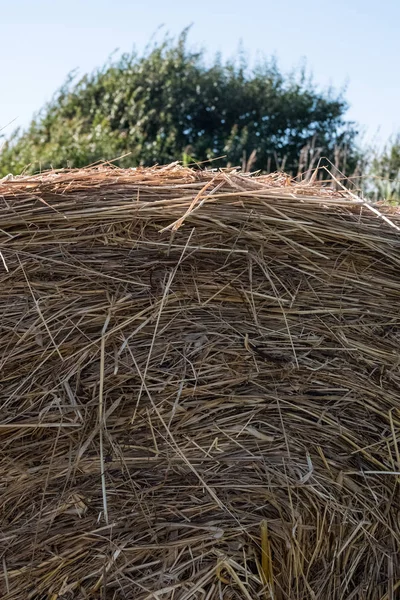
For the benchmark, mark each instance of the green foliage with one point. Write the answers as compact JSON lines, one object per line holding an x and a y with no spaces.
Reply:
{"x":171,"y":104}
{"x":385,"y":173}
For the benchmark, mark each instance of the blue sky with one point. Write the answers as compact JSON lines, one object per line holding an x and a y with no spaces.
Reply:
{"x":345,"y":42}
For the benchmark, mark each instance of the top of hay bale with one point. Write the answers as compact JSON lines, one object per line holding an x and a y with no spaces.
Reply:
{"x":174,"y":182}
{"x":172,"y":174}
{"x":199,"y":388}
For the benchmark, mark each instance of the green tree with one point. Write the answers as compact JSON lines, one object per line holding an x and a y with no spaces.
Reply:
{"x":170,"y":103}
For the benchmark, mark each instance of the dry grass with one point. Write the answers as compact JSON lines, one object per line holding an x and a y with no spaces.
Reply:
{"x":208,"y":410}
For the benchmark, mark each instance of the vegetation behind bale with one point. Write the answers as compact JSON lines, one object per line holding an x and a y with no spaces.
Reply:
{"x":173,"y":103}
{"x":199,"y":388}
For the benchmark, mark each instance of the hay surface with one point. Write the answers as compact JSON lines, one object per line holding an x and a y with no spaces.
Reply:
{"x":208,"y":410}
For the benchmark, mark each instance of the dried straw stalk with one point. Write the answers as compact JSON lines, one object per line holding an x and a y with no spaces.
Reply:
{"x":199,"y":389}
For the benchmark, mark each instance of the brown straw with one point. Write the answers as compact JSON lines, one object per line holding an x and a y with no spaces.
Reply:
{"x":200,"y":388}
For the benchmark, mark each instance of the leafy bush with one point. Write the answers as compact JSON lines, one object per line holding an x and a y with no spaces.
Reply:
{"x":170,"y":103}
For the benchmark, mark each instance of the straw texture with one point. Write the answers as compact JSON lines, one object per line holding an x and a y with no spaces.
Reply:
{"x":199,"y":389}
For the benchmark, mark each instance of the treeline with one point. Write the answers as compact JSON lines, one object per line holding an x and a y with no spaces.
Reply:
{"x":171,"y":103}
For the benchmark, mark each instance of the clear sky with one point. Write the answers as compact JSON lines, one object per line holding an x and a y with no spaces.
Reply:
{"x":345,"y":42}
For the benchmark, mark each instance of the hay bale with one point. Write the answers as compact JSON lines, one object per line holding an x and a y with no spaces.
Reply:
{"x":199,"y":389}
